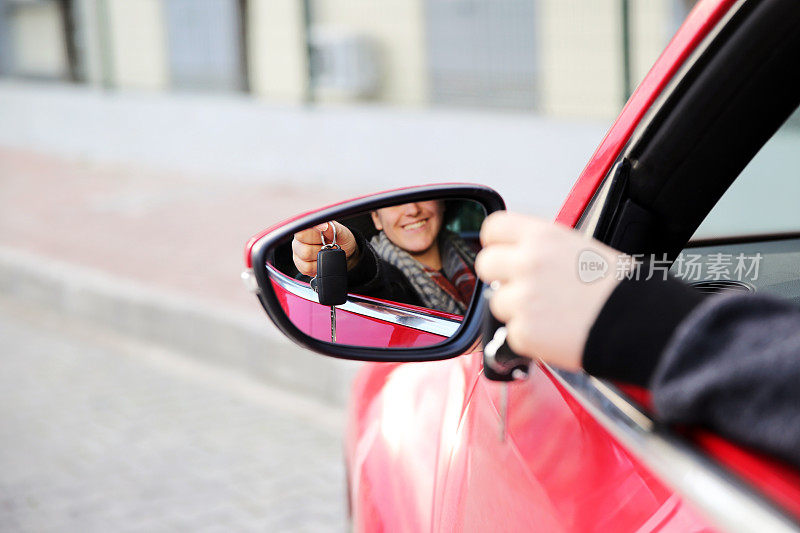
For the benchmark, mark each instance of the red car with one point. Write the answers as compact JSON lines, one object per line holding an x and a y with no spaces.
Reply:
{"x":436,"y":446}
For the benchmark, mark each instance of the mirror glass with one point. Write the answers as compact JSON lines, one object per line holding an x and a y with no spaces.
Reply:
{"x":400,"y":276}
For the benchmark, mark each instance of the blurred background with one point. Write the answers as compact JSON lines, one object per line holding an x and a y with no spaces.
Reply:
{"x":142,"y":142}
{"x":559,"y":58}
{"x":336,"y":93}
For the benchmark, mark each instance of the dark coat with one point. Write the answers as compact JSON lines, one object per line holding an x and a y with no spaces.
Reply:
{"x":373,"y":276}
{"x":729,"y":362}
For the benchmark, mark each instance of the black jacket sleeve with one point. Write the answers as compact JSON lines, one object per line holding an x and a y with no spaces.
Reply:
{"x":634,"y":326}
{"x":728,"y":362}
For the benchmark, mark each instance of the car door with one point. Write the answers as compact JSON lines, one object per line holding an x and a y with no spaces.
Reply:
{"x":549,"y":466}
{"x":561,"y":451}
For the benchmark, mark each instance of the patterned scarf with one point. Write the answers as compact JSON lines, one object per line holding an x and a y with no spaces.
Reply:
{"x":449,"y":292}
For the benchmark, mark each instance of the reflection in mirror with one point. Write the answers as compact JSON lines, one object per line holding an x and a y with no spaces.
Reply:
{"x":398,"y":277}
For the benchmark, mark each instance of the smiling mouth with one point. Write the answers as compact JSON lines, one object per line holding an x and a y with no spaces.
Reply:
{"x":416,"y":225}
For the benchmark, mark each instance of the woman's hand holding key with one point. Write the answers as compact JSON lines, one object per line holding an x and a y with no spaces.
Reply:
{"x":307,"y":244}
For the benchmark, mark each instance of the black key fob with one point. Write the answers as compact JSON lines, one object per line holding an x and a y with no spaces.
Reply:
{"x":331,"y":280}
{"x":499,"y":361}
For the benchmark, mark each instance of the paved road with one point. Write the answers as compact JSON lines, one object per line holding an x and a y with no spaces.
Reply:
{"x":101,"y":433}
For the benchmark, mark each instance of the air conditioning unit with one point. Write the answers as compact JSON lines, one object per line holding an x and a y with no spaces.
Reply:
{"x":344,"y":64}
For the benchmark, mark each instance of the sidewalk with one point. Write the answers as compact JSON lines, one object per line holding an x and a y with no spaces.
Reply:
{"x":167,"y":230}
{"x":157,"y":255}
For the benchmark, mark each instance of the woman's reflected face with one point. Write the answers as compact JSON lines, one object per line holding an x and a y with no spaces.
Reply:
{"x":413,"y":227}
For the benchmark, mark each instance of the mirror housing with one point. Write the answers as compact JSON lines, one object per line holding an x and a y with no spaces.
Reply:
{"x":260,"y":247}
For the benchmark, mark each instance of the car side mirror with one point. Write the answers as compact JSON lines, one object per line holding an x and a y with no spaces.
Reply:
{"x":394,"y":268}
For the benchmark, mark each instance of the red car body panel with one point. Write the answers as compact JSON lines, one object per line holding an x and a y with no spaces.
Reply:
{"x":778,"y":481}
{"x":423,"y":445}
{"x":557,"y":469}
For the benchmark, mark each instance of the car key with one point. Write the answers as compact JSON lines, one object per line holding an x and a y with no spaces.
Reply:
{"x":330,"y":283}
{"x":500,"y":363}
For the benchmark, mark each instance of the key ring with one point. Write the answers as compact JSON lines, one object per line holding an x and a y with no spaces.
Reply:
{"x":333,"y":243}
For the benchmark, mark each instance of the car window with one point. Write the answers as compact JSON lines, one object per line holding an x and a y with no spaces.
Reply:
{"x":763,"y":199}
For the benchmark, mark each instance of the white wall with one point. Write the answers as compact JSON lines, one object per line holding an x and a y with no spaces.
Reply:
{"x":138,"y":44}
{"x":38,"y":40}
{"x":276,"y":49}
{"x":582,"y":51}
{"x":397,"y":27}
{"x":581,"y":57}
{"x":652,"y":26}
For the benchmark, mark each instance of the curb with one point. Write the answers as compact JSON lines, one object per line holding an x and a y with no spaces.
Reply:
{"x":224,"y":337}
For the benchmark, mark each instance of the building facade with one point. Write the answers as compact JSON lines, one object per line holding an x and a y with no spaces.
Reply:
{"x":557,"y":57}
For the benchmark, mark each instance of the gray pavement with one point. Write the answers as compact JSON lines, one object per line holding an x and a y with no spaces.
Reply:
{"x":102,"y":432}
{"x":156,"y":255}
